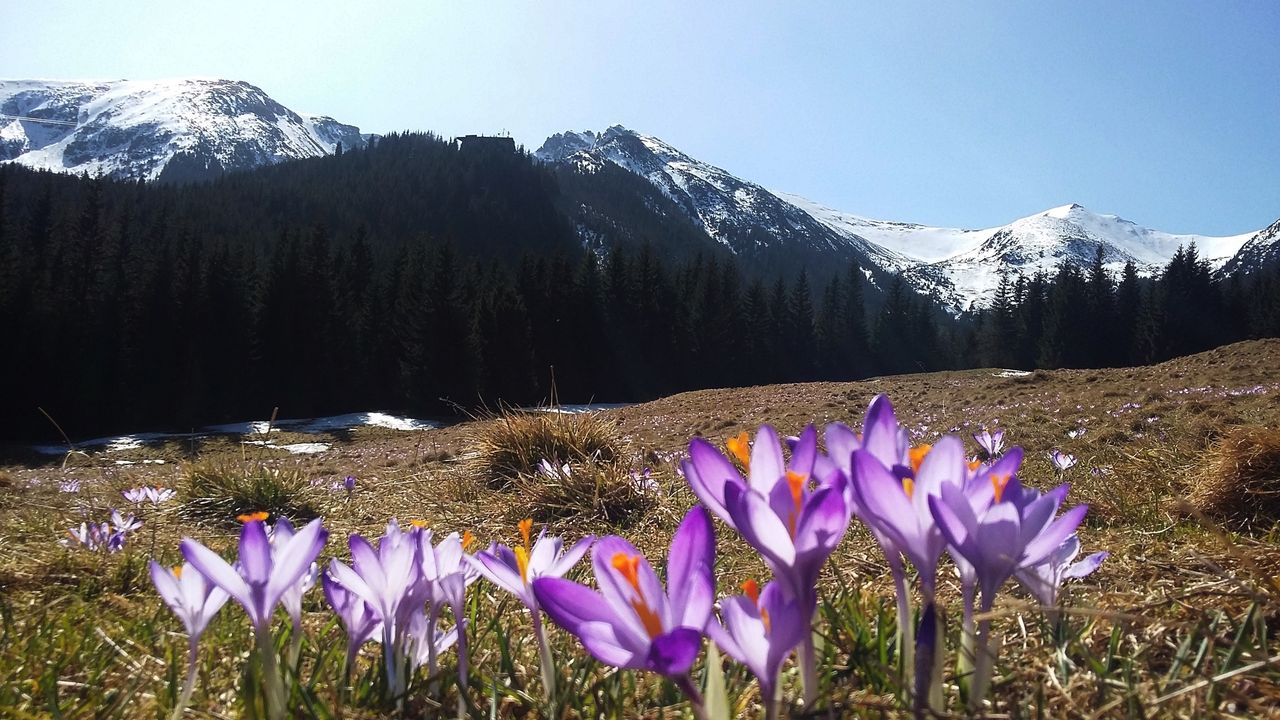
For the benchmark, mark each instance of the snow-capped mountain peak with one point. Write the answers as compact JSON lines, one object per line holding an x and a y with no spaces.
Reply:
{"x":133,"y":129}
{"x":959,"y":267}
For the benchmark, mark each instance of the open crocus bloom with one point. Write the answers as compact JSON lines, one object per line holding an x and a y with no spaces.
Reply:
{"x":1062,"y":461}
{"x":632,"y":622}
{"x":514,"y":569}
{"x":990,"y":442}
{"x":189,"y":595}
{"x":793,"y":523}
{"x":895,"y":500}
{"x":281,"y":534}
{"x":260,"y":577}
{"x":760,"y":629}
{"x":1017,"y":530}
{"x":1045,"y":579}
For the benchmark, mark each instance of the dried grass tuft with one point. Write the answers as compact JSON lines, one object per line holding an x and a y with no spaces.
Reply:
{"x":511,"y":446}
{"x":589,"y":493}
{"x":219,"y":490}
{"x":1239,"y":480}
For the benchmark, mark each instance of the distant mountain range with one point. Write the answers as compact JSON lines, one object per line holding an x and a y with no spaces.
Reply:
{"x":135,"y":130}
{"x":183,"y":130}
{"x":959,"y":268}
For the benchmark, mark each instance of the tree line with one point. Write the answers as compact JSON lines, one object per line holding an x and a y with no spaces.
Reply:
{"x":412,"y":277}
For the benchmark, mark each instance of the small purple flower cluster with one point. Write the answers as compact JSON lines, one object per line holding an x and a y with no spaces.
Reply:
{"x":107,"y":536}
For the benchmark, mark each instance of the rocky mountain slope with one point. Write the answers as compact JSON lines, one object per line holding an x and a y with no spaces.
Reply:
{"x":134,"y":129}
{"x":961,"y":268}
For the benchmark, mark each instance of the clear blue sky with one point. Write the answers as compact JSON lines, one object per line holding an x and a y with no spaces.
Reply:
{"x":1167,"y":113}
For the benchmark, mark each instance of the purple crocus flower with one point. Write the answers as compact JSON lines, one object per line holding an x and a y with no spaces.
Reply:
{"x":895,"y":501}
{"x":1045,"y":580}
{"x":632,"y":622}
{"x":794,"y":524}
{"x":257,"y":582}
{"x":514,"y":569}
{"x":1062,"y":461}
{"x":349,"y":483}
{"x":359,"y":618}
{"x":389,"y":579}
{"x":447,"y":573}
{"x":261,"y":577}
{"x":135,"y":495}
{"x":760,"y":629}
{"x":990,"y":442}
{"x":1016,"y":530}
{"x":124,"y":525}
{"x":195,"y":601}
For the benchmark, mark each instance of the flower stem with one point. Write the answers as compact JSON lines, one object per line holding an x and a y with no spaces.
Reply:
{"x":809,"y":670}
{"x":273,"y":687}
{"x":964,"y":662}
{"x":695,"y":698}
{"x":189,"y":686}
{"x":984,"y":660}
{"x":545,"y":659}
{"x":906,"y":634}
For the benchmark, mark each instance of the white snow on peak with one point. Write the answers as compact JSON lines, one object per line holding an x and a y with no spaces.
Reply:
{"x":132,"y":128}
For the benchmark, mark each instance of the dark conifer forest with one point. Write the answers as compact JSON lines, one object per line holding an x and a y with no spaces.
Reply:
{"x":412,"y":277}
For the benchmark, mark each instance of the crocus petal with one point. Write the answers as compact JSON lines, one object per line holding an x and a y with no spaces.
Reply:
{"x":689,"y":563}
{"x":570,"y":557}
{"x":881,"y":434}
{"x":805,"y":452}
{"x":673,"y":653}
{"x":167,"y":585}
{"x":295,"y":560}
{"x":498,"y":572}
{"x":603,"y":641}
{"x":255,"y":553}
{"x":569,"y":604}
{"x":616,"y":590}
{"x":1054,"y":535}
{"x":1086,"y":566}
{"x":708,"y":473}
{"x":761,"y":527}
{"x":217,"y":571}
{"x":766,"y":461}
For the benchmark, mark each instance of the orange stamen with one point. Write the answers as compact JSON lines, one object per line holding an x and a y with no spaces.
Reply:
{"x":796,"y":482}
{"x":420,"y":524}
{"x":522,"y":563}
{"x":741,"y":449}
{"x":908,"y":486}
{"x":468,"y":538}
{"x":999,"y":482}
{"x":526,"y":528}
{"x":917,"y":454}
{"x":259,"y":516}
{"x":974,"y":464}
{"x":177,"y":571}
{"x":629,"y":567}
{"x":764,"y":617}
{"x":751,"y":589}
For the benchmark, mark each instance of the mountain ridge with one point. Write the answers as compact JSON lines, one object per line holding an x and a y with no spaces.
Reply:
{"x":133,"y":129}
{"x":959,"y":267}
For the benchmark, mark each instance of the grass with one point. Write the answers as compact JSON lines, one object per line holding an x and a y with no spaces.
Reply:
{"x":1239,"y":479}
{"x":219,"y":490}
{"x":1181,"y":621}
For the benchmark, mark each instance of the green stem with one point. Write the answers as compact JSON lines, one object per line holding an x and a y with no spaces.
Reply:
{"x":273,"y":686}
{"x":984,"y":660}
{"x":906,"y":627}
{"x":545,"y":659}
{"x":189,"y":686}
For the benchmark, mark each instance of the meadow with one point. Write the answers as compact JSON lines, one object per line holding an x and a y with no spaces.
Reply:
{"x":1179,"y":464}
